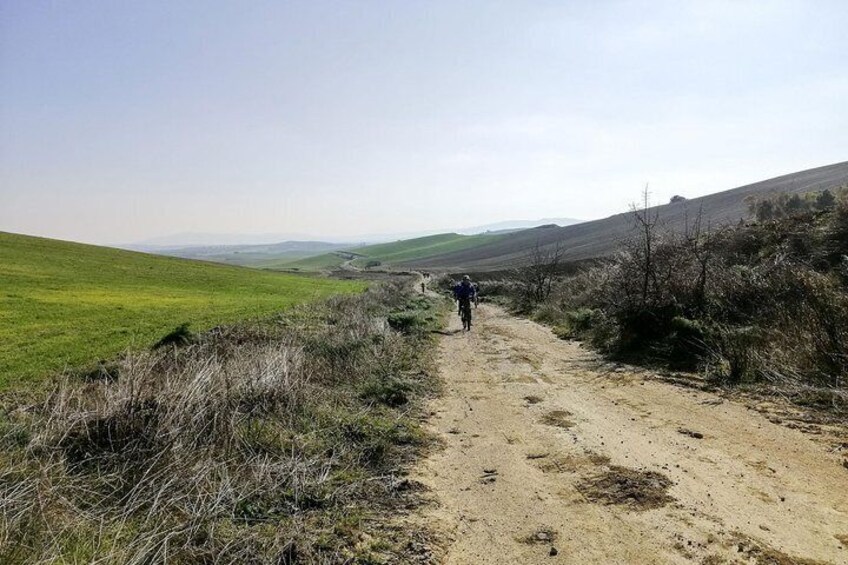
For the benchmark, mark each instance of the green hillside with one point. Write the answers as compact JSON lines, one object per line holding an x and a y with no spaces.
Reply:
{"x":255,"y":255}
{"x":420,"y":247}
{"x":390,"y":253}
{"x":314,"y":263}
{"x":66,"y":304}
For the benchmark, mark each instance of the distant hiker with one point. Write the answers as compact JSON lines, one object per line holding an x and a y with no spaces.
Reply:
{"x":464,"y":293}
{"x":422,"y":287}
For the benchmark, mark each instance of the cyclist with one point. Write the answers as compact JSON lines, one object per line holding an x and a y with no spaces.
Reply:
{"x":464,"y":293}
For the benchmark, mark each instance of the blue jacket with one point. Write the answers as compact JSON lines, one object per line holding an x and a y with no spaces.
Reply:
{"x":464,"y":291}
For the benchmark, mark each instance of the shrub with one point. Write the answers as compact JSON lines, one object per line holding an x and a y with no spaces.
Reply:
{"x":548,"y":313}
{"x":391,"y":391}
{"x":582,"y":321}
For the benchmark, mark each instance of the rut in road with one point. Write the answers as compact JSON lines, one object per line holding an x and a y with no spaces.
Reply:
{"x":552,"y":456}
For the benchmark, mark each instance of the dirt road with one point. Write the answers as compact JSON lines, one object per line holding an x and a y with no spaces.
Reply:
{"x":551,"y":456}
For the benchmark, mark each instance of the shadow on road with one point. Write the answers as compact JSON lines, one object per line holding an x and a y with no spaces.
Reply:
{"x":446,"y":332}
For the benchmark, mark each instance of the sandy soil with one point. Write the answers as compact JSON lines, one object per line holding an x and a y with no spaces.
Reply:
{"x":552,"y":456}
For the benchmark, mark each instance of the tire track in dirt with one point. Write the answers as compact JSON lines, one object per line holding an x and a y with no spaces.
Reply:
{"x":549,"y":458}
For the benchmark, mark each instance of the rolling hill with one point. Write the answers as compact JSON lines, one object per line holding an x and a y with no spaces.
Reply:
{"x":67,"y":304}
{"x":323,"y":262}
{"x":388,"y":254}
{"x":316,"y":254}
{"x":423,"y":247}
{"x":254,"y":255}
{"x":600,"y":237}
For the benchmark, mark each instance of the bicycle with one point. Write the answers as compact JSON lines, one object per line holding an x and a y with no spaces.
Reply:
{"x":465,"y":314}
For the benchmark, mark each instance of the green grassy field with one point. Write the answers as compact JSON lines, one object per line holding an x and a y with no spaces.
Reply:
{"x":67,"y":305}
{"x":309,"y":264}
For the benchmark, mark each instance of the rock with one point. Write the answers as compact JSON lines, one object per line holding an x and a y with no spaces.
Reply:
{"x":553,"y":551}
{"x":543,"y":536}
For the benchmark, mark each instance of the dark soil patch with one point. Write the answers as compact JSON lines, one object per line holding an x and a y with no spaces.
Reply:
{"x":639,"y":490}
{"x":558,"y":418}
{"x":533,"y":399}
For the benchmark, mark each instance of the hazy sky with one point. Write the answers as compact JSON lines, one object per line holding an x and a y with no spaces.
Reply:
{"x":126,"y":120}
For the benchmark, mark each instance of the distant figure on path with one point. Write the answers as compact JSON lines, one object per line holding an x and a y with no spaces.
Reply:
{"x":464,"y":293}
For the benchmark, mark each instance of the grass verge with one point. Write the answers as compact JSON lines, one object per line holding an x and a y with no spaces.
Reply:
{"x":276,"y":442}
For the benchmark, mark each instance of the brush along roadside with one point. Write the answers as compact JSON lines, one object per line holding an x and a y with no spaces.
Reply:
{"x":761,"y":306}
{"x":284,"y":441}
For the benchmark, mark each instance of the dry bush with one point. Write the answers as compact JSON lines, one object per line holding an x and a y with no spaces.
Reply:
{"x":535,"y":279}
{"x":764,"y":302}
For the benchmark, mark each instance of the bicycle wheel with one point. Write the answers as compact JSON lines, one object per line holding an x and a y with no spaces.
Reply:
{"x":466,"y":316}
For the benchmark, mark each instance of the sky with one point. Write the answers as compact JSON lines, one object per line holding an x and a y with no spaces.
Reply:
{"x":123,"y":120}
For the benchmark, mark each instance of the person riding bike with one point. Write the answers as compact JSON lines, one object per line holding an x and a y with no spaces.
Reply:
{"x":465,"y":293}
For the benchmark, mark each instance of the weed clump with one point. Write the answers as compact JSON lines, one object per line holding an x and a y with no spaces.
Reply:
{"x":179,"y":336}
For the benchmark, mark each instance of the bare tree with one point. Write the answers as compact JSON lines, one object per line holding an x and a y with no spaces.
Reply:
{"x":646,"y":221}
{"x":536,"y":279}
{"x":700,"y":242}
